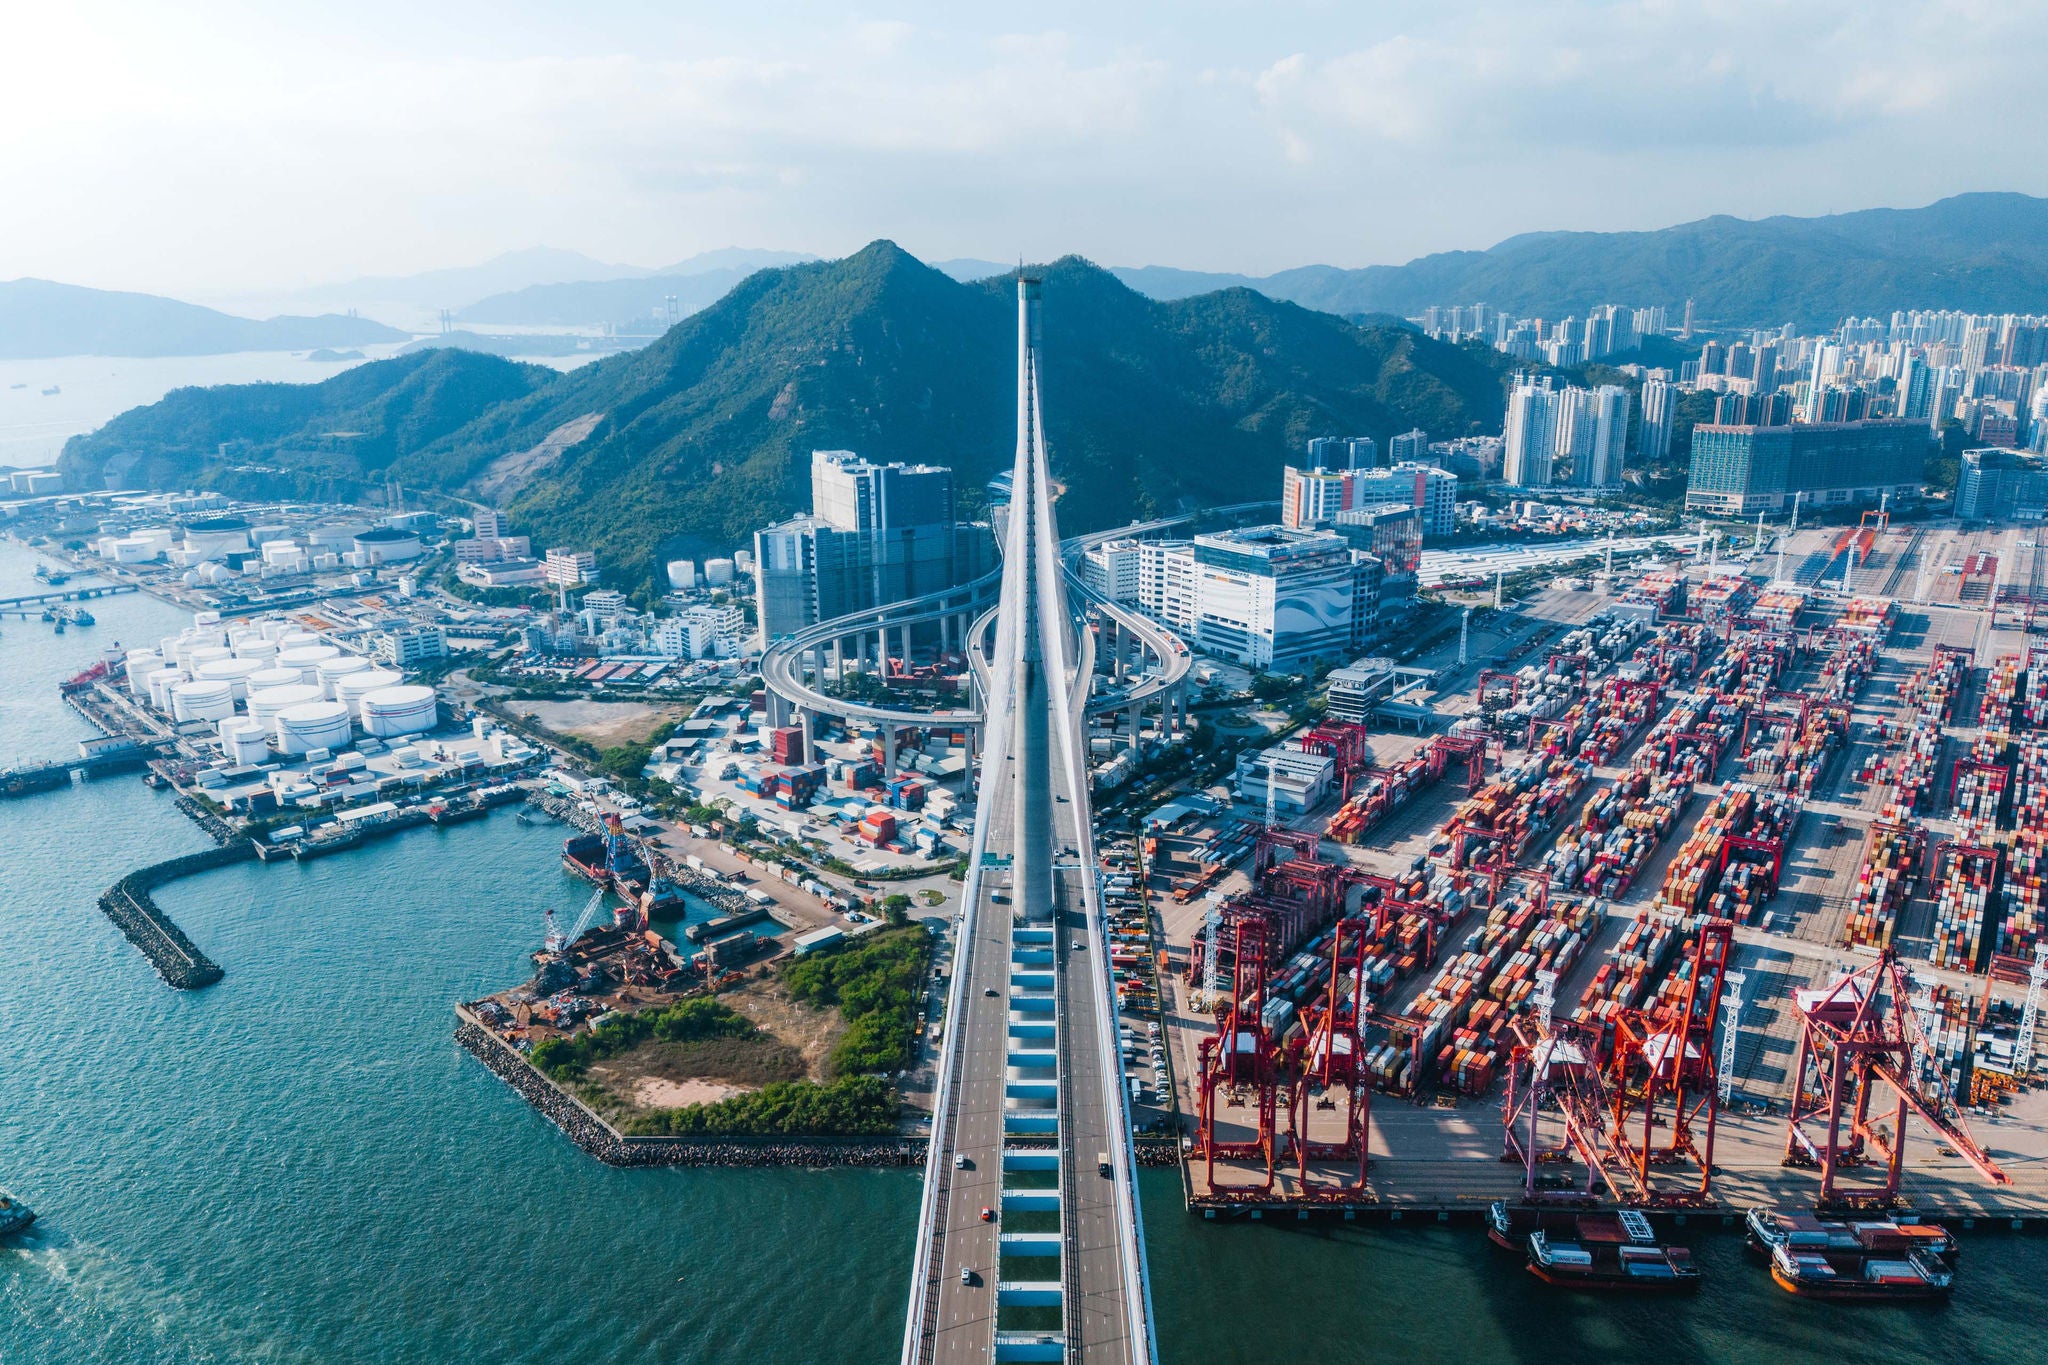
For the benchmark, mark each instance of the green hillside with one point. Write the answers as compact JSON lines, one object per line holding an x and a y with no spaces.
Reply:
{"x":693,"y":442}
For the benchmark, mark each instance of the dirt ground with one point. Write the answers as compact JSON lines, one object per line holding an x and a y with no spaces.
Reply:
{"x":603,"y":723}
{"x":795,"y":1039}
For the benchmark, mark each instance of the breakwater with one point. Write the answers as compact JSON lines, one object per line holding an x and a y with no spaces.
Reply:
{"x":598,"y":1138}
{"x":134,"y":911}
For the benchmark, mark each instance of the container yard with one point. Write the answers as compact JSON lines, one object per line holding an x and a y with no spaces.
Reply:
{"x":1663,"y":826}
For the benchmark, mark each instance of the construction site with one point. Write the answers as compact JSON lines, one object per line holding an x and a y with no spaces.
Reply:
{"x":1728,"y":894}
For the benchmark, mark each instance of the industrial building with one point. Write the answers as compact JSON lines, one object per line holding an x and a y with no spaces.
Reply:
{"x":1300,"y":780}
{"x":2002,"y":485}
{"x":876,"y":534}
{"x":1314,"y":498}
{"x":1265,"y":596}
{"x":1740,"y":470}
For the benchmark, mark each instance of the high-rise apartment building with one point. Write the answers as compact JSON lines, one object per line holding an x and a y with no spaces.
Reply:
{"x":1338,"y":453}
{"x":1534,"y":413}
{"x":1410,"y":447}
{"x":566,"y":568}
{"x":1653,"y":434}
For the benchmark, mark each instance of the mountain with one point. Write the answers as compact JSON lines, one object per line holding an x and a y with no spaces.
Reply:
{"x":695,"y":440}
{"x":1983,"y":252}
{"x":632,"y":306}
{"x":39,"y":319}
{"x":966,"y":269}
{"x":354,"y":425}
{"x":744,"y":259}
{"x":459,"y":286}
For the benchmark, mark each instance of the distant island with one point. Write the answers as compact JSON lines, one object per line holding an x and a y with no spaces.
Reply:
{"x":327,"y":356}
{"x":40,"y":320}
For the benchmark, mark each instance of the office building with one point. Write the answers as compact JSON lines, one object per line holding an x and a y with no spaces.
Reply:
{"x":2001,"y":485}
{"x":1741,"y":470}
{"x":1313,"y":499}
{"x":1532,"y":432}
{"x":411,"y":646}
{"x":568,"y":568}
{"x":1267,"y":597}
{"x":1111,"y":569}
{"x":700,"y":632}
{"x":1410,"y":447}
{"x":1343,"y":452}
{"x":876,"y":534}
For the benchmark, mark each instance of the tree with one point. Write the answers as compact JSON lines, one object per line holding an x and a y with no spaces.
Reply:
{"x":896,"y":908}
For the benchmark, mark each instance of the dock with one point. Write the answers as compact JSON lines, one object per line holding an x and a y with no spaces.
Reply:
{"x":135,"y":913}
{"x":33,"y":604}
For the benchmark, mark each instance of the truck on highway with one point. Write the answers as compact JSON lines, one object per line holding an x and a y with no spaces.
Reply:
{"x":1102,"y":1163}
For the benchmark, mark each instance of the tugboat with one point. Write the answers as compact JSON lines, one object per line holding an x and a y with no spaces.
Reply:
{"x":1611,"y":1251}
{"x":15,"y":1216}
{"x":81,"y":617}
{"x":1765,"y":1230}
{"x":56,"y":578}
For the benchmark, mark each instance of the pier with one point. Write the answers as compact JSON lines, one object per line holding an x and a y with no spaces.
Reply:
{"x":60,"y":773}
{"x":33,"y":604}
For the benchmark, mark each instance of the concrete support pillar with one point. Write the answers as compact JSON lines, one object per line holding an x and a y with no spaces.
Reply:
{"x":1137,"y":715}
{"x":889,"y":752}
{"x":778,"y":710}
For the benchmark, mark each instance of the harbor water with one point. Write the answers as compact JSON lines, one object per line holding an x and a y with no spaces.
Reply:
{"x":299,"y":1164}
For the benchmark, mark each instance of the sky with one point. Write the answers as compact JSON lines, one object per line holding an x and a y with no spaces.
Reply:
{"x":216,"y":148}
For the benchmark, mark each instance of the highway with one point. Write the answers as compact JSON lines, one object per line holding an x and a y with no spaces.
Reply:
{"x":1030,"y":1096}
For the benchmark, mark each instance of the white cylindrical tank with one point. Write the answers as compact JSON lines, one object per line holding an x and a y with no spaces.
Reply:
{"x":297,"y":639}
{"x":205,"y":619}
{"x":275,"y":630}
{"x":332,"y":671}
{"x":270,"y":675}
{"x":202,"y":699}
{"x":244,"y":741}
{"x":718,"y":572}
{"x":682,"y":574}
{"x":206,"y":654}
{"x":351,"y":690}
{"x":257,"y":648}
{"x":305,"y":656}
{"x":235,"y":672}
{"x":313,"y":725}
{"x":402,"y":710}
{"x":160,"y":684}
{"x":266,"y":702}
{"x":137,"y":667}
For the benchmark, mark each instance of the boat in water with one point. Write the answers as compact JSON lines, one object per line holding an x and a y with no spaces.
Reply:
{"x":1508,"y":1225}
{"x":81,"y":617}
{"x":1896,"y":1277}
{"x":15,"y":1216}
{"x":584,"y":854}
{"x":1767,"y":1229}
{"x":1611,"y":1251}
{"x":56,"y":578}
{"x":442,"y":815}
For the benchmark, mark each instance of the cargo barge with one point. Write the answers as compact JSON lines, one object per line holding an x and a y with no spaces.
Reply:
{"x":455,"y":815}
{"x":1895,"y":1277}
{"x":1611,"y":1251}
{"x":1508,"y":1225}
{"x":589,"y":856}
{"x":1765,"y":1230}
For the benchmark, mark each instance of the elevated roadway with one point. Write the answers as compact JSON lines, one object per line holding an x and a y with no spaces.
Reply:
{"x":1031,"y":1124}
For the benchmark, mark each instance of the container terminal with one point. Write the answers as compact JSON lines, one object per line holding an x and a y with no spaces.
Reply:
{"x":1711,"y":897}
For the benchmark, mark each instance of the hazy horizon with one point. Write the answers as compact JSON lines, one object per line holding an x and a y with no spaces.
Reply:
{"x":231,"y":152}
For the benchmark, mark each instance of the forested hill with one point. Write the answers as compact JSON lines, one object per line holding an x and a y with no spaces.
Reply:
{"x":40,"y":319}
{"x":706,"y":434}
{"x":1984,"y":252}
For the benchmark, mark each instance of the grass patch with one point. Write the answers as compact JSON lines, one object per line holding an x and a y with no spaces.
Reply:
{"x":874,"y":981}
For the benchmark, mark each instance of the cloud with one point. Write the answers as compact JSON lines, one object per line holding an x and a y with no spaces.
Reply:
{"x":227,"y":143}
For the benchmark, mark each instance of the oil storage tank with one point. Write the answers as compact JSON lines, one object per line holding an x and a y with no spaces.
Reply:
{"x":266,"y":703}
{"x":351,"y":690}
{"x":311,"y":725}
{"x":160,"y":684}
{"x":202,"y":699}
{"x":402,"y":710}
{"x":235,"y":672}
{"x":331,"y":671}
